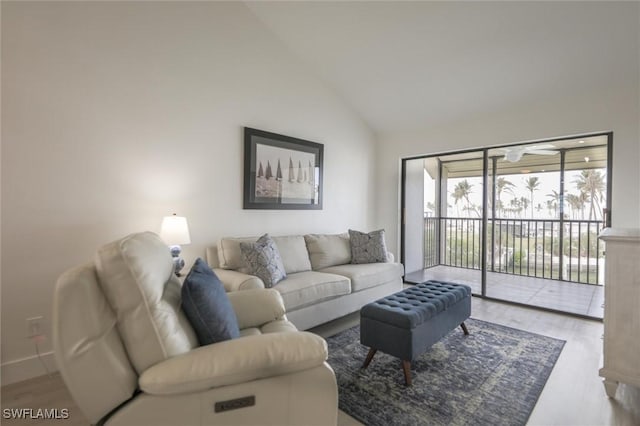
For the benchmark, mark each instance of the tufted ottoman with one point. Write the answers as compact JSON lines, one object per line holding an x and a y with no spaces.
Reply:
{"x":407,"y":323}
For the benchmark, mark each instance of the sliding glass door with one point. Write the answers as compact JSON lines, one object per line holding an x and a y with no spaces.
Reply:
{"x":451,"y":189}
{"x":516,"y":223}
{"x":524,"y":230}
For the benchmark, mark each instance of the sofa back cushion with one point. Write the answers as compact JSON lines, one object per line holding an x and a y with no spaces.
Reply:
{"x":292,"y":250}
{"x":328,"y":250}
{"x":229,"y":254}
{"x":136,"y":274}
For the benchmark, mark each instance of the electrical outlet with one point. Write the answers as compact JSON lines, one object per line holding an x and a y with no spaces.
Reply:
{"x":34,"y":327}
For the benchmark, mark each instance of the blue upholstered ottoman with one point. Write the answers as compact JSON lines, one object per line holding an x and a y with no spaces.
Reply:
{"x":407,"y":323}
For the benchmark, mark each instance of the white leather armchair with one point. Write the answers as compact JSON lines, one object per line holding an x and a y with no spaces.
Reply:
{"x":129,"y":356}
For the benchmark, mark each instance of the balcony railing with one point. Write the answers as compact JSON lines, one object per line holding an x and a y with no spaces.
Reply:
{"x":566,"y":250}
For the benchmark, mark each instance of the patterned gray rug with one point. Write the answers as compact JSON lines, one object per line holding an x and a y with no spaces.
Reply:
{"x":494,"y":376}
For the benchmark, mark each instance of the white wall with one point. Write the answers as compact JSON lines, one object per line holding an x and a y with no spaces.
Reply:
{"x":413,"y":216}
{"x":116,"y":114}
{"x":612,"y":106}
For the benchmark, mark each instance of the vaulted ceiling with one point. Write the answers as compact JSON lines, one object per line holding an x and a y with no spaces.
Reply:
{"x":406,"y":66}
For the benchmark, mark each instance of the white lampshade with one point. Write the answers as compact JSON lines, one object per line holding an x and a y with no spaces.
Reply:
{"x":174,"y":230}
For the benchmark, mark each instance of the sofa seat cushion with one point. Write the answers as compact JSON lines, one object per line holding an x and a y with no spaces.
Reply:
{"x":367,"y":275}
{"x":306,"y":288}
{"x":278,"y":326}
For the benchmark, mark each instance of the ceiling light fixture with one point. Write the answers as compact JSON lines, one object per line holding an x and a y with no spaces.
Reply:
{"x":514,"y":154}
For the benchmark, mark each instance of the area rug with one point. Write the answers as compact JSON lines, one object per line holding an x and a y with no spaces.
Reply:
{"x":493,"y":376}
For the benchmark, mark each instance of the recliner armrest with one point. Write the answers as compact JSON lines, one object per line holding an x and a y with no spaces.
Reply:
{"x":254,"y":308}
{"x":234,"y":280}
{"x":235,"y":361}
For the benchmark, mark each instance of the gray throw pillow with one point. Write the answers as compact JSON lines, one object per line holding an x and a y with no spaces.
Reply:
{"x":263,"y":260}
{"x":368,"y":248}
{"x":207,"y":306}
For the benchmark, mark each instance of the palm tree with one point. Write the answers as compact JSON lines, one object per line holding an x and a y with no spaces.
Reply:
{"x":554,"y":202}
{"x":462,"y":191}
{"x":576,"y":204}
{"x":592,"y":183}
{"x":516,"y":206}
{"x":473,"y":208}
{"x":532,"y":185}
{"x":457,"y":196}
{"x":430,"y":207}
{"x":584,"y":199}
{"x":502,"y":185}
{"x":525,"y":203}
{"x":552,"y":207}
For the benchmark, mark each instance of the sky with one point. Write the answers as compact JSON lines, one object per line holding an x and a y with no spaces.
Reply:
{"x":548,"y":182}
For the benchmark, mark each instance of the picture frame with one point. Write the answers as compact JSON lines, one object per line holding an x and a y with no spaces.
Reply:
{"x":281,"y":172}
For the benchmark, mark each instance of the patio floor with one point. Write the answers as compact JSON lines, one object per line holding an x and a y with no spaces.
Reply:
{"x":582,"y":299}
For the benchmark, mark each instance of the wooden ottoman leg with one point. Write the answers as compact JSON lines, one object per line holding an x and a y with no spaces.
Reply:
{"x":370,"y":355}
{"x":464,"y":328}
{"x":406,"y":367}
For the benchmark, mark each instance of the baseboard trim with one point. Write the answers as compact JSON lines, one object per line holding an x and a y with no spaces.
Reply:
{"x":27,"y":368}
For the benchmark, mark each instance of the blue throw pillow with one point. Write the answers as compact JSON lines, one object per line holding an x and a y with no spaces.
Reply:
{"x":207,"y":305}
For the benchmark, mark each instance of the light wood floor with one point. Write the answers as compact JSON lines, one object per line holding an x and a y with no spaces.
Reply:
{"x":573,"y":395}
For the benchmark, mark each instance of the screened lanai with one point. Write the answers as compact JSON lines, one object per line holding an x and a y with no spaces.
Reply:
{"x":518,"y":223}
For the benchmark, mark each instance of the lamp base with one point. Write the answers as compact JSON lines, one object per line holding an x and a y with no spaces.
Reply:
{"x":178,"y":262}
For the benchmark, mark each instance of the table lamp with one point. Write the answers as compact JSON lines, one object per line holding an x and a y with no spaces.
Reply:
{"x":175,"y":231}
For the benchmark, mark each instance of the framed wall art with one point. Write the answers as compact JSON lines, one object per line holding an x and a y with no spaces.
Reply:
{"x":281,"y":172}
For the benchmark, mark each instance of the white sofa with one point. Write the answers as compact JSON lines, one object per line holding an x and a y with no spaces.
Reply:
{"x":321,"y":283}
